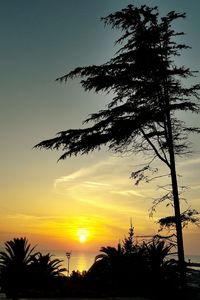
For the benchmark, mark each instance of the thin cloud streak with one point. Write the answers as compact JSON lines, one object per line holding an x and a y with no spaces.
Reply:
{"x":104,"y":185}
{"x":128,"y":193}
{"x":100,"y":175}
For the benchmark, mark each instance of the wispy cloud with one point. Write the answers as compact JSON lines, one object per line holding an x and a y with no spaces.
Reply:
{"x":96,"y":184}
{"x":128,"y":193}
{"x":27,"y":217}
{"x":90,"y":169}
{"x":104,"y":174}
{"x":100,"y":184}
{"x":105,"y":186}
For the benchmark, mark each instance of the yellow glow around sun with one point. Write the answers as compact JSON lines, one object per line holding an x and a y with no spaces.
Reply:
{"x":83,"y":235}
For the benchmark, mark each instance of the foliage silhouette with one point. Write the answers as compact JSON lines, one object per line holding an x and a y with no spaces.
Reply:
{"x":14,"y":264}
{"x":148,"y":89}
{"x":128,"y":242}
{"x":25,"y":273}
{"x":143,"y":271}
{"x":188,"y":216}
{"x":44,"y":272}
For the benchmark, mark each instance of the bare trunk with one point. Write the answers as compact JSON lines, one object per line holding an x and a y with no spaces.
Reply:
{"x":179,"y":233}
{"x":181,"y":257}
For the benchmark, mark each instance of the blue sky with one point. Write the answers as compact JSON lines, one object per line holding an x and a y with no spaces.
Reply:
{"x":41,"y":40}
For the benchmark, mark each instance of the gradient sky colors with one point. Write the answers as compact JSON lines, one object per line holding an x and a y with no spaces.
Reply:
{"x":46,"y":201}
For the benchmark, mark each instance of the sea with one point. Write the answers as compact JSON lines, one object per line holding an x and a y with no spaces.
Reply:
{"x":78,"y":261}
{"x":82,"y":261}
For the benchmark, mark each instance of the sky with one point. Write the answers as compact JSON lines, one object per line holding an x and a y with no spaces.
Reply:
{"x":85,"y":202}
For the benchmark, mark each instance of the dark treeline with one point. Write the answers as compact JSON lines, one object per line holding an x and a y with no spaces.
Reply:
{"x":130,"y":269}
{"x":25,"y":272}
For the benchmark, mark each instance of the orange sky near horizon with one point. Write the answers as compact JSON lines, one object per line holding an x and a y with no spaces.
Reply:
{"x":99,"y":198}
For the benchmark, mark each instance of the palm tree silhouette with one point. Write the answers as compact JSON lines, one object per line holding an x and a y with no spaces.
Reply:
{"x":129,"y":267}
{"x":14,"y":263}
{"x":109,"y":253}
{"x":44,"y":271}
{"x":157,"y":251}
{"x":46,"y":266}
{"x":162,"y":271}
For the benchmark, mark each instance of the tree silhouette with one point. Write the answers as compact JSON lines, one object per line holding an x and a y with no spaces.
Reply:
{"x":126,"y":270}
{"x":14,"y":264}
{"x":128,"y":243}
{"x":157,"y":251}
{"x":24,"y":271}
{"x":45,"y":265}
{"x":110,"y":253}
{"x":148,"y":91}
{"x":44,"y":270}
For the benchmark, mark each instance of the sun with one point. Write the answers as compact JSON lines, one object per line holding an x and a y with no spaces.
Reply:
{"x":83,"y":235}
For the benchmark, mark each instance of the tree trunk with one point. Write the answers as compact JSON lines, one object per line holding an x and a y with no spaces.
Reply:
{"x":179,"y":233}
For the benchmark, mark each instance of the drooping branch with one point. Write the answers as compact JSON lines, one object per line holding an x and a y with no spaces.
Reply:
{"x":154,"y":148}
{"x":189,"y":216}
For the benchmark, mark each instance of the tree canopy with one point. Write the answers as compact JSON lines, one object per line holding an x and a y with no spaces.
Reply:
{"x":146,"y":85}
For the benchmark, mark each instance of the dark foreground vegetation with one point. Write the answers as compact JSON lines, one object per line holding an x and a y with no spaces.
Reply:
{"x":129,"y":270}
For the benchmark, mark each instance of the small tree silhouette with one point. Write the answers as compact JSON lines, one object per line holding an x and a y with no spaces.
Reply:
{"x":44,"y":270}
{"x":14,"y":265}
{"x":128,"y":242}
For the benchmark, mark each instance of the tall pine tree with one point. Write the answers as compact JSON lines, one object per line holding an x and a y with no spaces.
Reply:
{"x":148,"y":92}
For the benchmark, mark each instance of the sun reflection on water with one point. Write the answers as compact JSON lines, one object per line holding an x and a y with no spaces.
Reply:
{"x":78,"y":261}
{"x":82,"y":263}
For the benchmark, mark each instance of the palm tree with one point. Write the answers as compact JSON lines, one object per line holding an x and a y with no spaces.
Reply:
{"x":104,"y":272}
{"x":157,"y":251}
{"x":44,"y":271}
{"x":14,"y":262}
{"x":162,"y":271}
{"x":110,"y":254}
{"x":47,"y":266}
